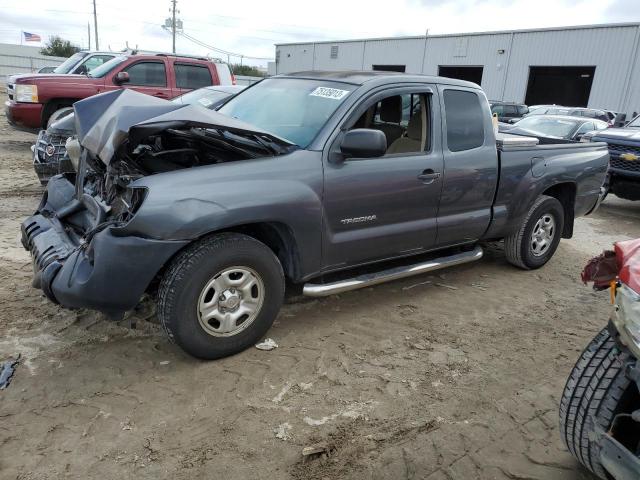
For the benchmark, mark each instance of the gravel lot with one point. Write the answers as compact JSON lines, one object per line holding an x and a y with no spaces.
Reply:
{"x":449,"y":376}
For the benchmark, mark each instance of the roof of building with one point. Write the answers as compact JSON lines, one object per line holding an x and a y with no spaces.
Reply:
{"x":465,"y":34}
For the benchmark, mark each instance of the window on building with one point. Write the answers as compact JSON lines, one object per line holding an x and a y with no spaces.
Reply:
{"x":334,"y":51}
{"x":465,"y":120}
{"x":192,"y":76}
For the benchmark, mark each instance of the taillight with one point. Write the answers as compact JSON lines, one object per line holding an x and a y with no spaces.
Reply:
{"x":233,"y":79}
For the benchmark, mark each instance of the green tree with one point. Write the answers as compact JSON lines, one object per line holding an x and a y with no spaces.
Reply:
{"x":59,"y":47}
{"x":246,"y":70}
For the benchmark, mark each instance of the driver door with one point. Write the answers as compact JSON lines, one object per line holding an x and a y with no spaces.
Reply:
{"x":385,"y":207}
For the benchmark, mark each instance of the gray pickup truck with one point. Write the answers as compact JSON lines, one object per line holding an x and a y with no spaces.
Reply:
{"x":313,"y":178}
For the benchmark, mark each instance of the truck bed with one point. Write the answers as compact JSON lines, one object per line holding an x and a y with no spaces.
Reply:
{"x":528,"y":169}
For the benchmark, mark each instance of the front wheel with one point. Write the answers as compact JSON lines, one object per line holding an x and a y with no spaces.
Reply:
{"x":537,"y":239}
{"x":597,"y":390}
{"x":221,"y":295}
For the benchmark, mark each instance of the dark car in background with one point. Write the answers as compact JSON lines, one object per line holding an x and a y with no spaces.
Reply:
{"x":508,"y":112}
{"x":50,"y":153}
{"x":624,"y":151}
{"x":554,"y":128}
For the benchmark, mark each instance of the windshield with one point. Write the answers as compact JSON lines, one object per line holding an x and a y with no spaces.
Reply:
{"x":69,"y":63}
{"x":635,"y":123}
{"x":205,"y":97}
{"x":548,"y":126}
{"x":294,"y":109}
{"x":106,"y":67}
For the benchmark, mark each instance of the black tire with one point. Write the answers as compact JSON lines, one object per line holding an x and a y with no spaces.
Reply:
{"x":594,"y":391}
{"x":58,"y":114}
{"x":186,"y":277}
{"x":517,"y":246}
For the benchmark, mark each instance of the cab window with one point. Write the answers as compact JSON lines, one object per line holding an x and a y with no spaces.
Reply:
{"x":152,"y":74}
{"x":404,"y":120}
{"x":191,"y":76}
{"x":465,"y":120}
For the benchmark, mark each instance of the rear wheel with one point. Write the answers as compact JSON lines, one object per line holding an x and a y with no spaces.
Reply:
{"x":537,"y":239}
{"x":596,"y":391}
{"x":221,"y":295}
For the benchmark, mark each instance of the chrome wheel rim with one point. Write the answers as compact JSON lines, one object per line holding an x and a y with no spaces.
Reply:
{"x":230,"y":301}
{"x":543,"y":234}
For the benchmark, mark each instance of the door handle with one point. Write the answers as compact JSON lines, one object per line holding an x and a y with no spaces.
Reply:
{"x":428,"y":176}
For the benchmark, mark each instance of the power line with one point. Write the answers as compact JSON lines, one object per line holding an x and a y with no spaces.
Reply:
{"x":220,"y":50}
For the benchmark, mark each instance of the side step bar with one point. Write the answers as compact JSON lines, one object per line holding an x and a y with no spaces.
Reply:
{"x":369,"y":279}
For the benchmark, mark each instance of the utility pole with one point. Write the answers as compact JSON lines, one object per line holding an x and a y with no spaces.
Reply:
{"x":173,"y":23}
{"x":95,"y":23}
{"x":88,"y":36}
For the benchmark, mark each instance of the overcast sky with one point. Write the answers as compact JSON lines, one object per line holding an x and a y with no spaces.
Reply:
{"x":252,"y":27}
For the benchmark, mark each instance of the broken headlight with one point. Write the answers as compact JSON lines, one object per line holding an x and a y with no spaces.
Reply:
{"x":627,"y":318}
{"x":125,"y":205}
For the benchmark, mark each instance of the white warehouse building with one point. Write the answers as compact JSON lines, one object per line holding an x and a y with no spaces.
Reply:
{"x":593,"y":66}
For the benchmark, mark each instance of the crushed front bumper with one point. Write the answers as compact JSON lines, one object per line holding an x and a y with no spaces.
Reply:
{"x":109,"y":273}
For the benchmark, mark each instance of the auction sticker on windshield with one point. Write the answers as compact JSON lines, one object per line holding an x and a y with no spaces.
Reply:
{"x":326,"y":92}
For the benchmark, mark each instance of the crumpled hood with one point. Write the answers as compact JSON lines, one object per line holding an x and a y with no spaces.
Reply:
{"x":105,"y":121}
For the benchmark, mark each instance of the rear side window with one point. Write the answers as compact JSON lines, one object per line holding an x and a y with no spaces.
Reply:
{"x":151,"y":74}
{"x":465,"y":120}
{"x":192,"y":76}
{"x":510,"y":109}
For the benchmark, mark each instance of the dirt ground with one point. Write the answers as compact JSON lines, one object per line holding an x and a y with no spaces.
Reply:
{"x":449,"y":376}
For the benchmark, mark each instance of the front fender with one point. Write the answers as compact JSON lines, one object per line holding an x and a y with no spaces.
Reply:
{"x":188,"y":204}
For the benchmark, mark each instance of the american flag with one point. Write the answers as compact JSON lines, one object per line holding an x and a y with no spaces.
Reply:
{"x":31,"y":37}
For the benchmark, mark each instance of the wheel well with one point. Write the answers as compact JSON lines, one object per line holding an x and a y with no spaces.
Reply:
{"x":275,"y":235}
{"x":53,"y":105}
{"x":565,"y":193}
{"x":280,"y":239}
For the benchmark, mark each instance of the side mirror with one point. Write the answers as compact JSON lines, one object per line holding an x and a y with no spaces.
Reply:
{"x":121,"y":77}
{"x":364,"y":143}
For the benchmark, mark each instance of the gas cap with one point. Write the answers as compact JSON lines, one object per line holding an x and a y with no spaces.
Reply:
{"x":538,"y":166}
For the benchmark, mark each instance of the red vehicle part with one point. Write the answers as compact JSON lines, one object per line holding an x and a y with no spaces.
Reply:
{"x":622,"y":264}
{"x":628,"y":260}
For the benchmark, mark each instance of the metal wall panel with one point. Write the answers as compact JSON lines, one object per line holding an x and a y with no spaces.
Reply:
{"x":406,"y":52}
{"x":349,"y":56}
{"x":294,"y":58}
{"x":477,"y":50}
{"x":612,"y":49}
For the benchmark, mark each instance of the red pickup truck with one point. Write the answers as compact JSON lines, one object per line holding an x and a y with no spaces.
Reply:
{"x":33,"y":99}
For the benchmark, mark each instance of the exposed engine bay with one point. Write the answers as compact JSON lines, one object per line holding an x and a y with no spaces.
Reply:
{"x":138,"y":135}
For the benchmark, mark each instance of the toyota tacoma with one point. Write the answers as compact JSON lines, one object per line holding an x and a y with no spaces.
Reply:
{"x":334,"y":180}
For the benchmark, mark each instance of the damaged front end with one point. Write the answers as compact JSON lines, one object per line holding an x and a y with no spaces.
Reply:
{"x":83,"y":255}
